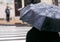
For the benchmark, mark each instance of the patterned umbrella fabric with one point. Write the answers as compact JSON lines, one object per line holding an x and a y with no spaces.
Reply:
{"x":42,"y":16}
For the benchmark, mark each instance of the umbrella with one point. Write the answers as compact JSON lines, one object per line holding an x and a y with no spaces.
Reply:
{"x":42,"y":16}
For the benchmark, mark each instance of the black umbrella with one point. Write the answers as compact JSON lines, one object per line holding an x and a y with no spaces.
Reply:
{"x":42,"y":16}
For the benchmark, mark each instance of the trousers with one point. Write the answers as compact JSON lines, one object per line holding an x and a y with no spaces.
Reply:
{"x":7,"y":17}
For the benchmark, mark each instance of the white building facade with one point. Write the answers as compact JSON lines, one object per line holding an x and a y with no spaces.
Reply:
{"x":3,"y":4}
{"x":15,"y":5}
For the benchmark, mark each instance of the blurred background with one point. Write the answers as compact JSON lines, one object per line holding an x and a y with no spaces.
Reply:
{"x":16,"y":29}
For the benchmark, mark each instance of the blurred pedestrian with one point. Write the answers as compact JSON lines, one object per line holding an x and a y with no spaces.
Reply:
{"x":7,"y":11}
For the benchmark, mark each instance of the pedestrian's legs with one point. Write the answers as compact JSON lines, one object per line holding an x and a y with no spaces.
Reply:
{"x":7,"y":17}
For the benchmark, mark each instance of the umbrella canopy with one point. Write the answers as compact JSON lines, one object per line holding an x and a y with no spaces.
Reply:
{"x":42,"y":16}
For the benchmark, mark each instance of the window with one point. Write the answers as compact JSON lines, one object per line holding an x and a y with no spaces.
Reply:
{"x":59,"y":2}
{"x":18,"y":4}
{"x":55,"y":2}
{"x":31,"y":1}
{"x":35,"y":1}
{"x":26,"y":2}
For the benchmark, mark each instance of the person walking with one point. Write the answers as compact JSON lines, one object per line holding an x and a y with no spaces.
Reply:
{"x":7,"y":11}
{"x":45,"y":22}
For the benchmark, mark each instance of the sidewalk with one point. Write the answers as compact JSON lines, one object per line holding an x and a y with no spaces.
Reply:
{"x":13,"y":21}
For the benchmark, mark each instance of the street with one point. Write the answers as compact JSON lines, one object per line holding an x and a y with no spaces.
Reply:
{"x":13,"y":33}
{"x":14,"y":41}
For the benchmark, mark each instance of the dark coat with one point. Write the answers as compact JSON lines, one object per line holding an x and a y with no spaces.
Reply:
{"x":7,"y":11}
{"x":35,"y":35}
